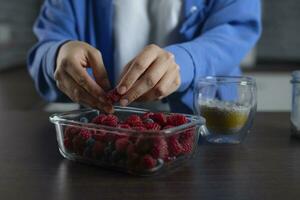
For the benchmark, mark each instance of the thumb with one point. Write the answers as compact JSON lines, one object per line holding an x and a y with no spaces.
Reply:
{"x":95,"y":61}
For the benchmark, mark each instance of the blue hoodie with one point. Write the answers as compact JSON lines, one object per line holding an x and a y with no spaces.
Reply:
{"x":216,"y":35}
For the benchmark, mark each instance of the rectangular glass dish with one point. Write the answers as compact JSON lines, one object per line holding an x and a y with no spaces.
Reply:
{"x":139,"y":152}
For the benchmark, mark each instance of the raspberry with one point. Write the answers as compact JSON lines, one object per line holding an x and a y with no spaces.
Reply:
{"x":159,"y":148}
{"x":159,"y":118}
{"x":71,"y":131}
{"x":189,"y":134}
{"x":113,"y":96}
{"x":130,"y":149}
{"x":121,"y":144}
{"x":111,"y":120}
{"x":147,"y":115}
{"x":122,"y":136}
{"x":174,"y":147}
{"x":132,"y":156}
{"x":68,"y":144}
{"x":187,"y":146}
{"x":147,"y":162}
{"x":152,"y":126}
{"x":99,"y":136}
{"x":99,"y":119}
{"x":125,"y":126}
{"x":134,"y":120}
{"x":78,"y":144}
{"x":110,"y":137}
{"x":176,"y":120}
{"x":85,"y":134}
{"x":143,"y":145}
{"x":98,"y":149}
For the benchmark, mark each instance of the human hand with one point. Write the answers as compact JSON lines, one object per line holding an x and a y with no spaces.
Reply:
{"x":151,"y":75}
{"x":73,"y":79}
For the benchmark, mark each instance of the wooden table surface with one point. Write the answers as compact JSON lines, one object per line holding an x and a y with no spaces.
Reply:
{"x":265,"y":166}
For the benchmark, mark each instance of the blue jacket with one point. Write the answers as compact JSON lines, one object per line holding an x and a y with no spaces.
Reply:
{"x":215,"y":35}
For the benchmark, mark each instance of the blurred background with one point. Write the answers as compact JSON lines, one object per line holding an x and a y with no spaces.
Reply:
{"x":276,"y":55}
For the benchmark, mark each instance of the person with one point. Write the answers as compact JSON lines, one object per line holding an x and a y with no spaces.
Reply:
{"x":148,"y":49}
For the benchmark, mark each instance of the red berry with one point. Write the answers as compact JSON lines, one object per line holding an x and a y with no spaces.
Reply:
{"x":68,"y":144}
{"x":111,"y":120}
{"x":113,"y":96}
{"x":134,"y":137}
{"x":147,"y":115}
{"x":159,"y":118}
{"x":85,"y":134}
{"x":143,"y":145}
{"x":176,"y":120}
{"x":78,"y":144}
{"x":98,"y":149}
{"x":99,"y":136}
{"x":174,"y":147}
{"x":133,"y":157}
{"x":110,"y":137}
{"x":122,"y":144}
{"x":134,"y":120}
{"x":187,"y":146}
{"x":153,"y":126}
{"x":188,"y":134}
{"x":130,"y":149}
{"x":99,"y":119}
{"x":71,"y":131}
{"x":159,"y":148}
{"x":125,"y":126}
{"x":147,"y":162}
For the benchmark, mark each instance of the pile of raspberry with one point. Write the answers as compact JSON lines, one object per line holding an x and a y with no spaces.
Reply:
{"x":143,"y":149}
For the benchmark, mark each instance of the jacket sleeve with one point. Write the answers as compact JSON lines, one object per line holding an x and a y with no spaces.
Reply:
{"x":230,"y":30}
{"x":53,"y":27}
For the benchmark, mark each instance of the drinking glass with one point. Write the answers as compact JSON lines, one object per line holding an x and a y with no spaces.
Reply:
{"x":295,"y":111}
{"x":228,"y":104}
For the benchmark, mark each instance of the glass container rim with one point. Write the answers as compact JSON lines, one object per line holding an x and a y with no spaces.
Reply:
{"x":58,"y":118}
{"x":243,"y":80}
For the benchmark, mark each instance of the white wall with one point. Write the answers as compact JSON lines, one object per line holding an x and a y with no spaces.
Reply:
{"x":273,"y":91}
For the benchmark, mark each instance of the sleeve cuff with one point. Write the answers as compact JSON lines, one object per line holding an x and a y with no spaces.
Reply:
{"x":51,"y":57}
{"x":186,"y":65}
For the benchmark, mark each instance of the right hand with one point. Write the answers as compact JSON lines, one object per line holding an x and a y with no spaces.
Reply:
{"x":73,"y":79}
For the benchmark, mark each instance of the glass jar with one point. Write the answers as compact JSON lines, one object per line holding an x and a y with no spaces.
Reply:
{"x":295,"y":110}
{"x":228,"y":103}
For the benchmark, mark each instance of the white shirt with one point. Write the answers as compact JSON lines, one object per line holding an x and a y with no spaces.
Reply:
{"x":138,"y":23}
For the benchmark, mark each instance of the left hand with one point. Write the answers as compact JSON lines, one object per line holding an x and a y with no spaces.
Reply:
{"x":152,"y":75}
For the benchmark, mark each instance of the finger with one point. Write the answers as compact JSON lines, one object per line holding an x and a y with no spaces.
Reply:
{"x":150,"y":78}
{"x":80,"y":95}
{"x":137,"y":68}
{"x":125,"y":70}
{"x":167,"y":85}
{"x":83,"y":79}
{"x":95,"y":61}
{"x":85,"y":98}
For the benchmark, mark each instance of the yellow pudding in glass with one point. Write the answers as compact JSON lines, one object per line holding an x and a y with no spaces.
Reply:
{"x":224,"y":117}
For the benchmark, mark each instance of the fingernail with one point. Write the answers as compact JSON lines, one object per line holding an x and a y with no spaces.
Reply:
{"x":108,"y":109}
{"x":122,"y":90}
{"x":102,"y":99}
{"x":123,"y":102}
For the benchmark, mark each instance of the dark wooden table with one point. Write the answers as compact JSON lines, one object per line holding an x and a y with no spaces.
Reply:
{"x":266,"y":166}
